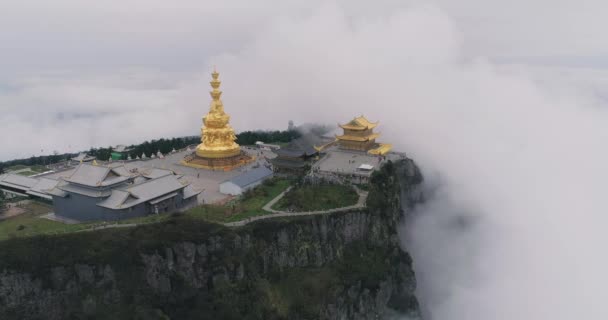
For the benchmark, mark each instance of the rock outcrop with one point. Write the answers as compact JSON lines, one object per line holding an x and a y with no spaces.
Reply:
{"x":337,"y":266}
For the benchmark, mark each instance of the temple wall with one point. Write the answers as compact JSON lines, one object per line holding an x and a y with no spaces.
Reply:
{"x":358,"y":133}
{"x":357,"y":145}
{"x":83,"y":208}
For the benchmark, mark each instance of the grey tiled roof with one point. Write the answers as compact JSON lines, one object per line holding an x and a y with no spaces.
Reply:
{"x":288,"y":163}
{"x":290,"y":153}
{"x":156,"y":187}
{"x":163,"y":198}
{"x":135,"y":194}
{"x":114,"y":200}
{"x":57,"y":192}
{"x":18,"y":181}
{"x":251,"y":176}
{"x":44,"y":184}
{"x":42,"y":188}
{"x":156,"y":173}
{"x":121,"y":170}
{"x":97,"y":176}
{"x":189,"y":192}
{"x":74,"y":188}
{"x":39,"y":187}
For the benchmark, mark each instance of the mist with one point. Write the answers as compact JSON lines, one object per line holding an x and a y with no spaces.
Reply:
{"x":513,"y":154}
{"x":514,"y":225}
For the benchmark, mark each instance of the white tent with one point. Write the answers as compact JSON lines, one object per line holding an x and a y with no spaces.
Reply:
{"x":365,"y":167}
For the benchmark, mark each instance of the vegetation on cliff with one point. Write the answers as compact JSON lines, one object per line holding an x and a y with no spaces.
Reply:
{"x":309,"y":197}
{"x":249,"y":204}
{"x":345,"y":264}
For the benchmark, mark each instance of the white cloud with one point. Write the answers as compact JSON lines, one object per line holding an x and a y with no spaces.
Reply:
{"x":521,"y":163}
{"x":515,"y":230}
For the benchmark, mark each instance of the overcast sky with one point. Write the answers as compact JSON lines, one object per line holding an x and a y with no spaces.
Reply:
{"x":503,"y":105}
{"x":77,"y":74}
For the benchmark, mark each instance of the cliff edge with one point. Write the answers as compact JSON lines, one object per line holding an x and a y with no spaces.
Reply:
{"x":344,"y":265}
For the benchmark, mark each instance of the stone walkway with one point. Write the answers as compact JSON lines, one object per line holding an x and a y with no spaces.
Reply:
{"x":115,"y":225}
{"x":278,"y":214}
{"x":268,"y":206}
{"x":51,"y":216}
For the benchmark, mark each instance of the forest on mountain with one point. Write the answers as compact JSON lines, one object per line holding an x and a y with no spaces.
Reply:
{"x":154,"y":146}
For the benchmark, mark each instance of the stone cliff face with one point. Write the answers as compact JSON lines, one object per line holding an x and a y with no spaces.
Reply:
{"x":338,"y":266}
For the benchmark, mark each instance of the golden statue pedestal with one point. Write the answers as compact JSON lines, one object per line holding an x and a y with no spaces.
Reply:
{"x":218,"y":149}
{"x":225,"y":163}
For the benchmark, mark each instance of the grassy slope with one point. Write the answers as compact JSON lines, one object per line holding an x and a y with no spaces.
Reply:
{"x":249,"y":206}
{"x":29,"y":224}
{"x":312,"y":198}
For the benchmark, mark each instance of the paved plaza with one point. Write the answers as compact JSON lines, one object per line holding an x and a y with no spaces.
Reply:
{"x":346,"y":162}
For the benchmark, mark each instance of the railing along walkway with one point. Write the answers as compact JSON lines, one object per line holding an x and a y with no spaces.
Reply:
{"x":278,"y":214}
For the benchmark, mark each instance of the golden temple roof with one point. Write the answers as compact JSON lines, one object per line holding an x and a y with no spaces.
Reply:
{"x":382,"y":149}
{"x":359,"y":123}
{"x":356,"y":138}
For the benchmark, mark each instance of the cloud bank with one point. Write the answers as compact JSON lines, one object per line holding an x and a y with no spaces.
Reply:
{"x":514,"y":155}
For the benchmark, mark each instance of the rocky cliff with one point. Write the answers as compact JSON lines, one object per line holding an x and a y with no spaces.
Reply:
{"x":339,"y":266}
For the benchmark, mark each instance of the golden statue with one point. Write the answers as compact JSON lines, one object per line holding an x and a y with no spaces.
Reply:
{"x":218,"y":149}
{"x":217,"y":136}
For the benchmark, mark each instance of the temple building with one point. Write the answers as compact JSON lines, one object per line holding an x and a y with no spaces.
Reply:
{"x":94,"y":192}
{"x":359,"y":135}
{"x":297,"y":156}
{"x":250,"y":179}
{"x":218,"y":149}
{"x":292,"y":161}
{"x":82,"y":157}
{"x":18,"y":185}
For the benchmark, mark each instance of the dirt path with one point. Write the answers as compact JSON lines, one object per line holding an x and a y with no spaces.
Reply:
{"x":13,"y":209}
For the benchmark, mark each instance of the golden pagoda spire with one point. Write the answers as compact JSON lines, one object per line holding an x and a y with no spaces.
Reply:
{"x":217,"y":136}
{"x":216,"y":93}
{"x":218,"y":149}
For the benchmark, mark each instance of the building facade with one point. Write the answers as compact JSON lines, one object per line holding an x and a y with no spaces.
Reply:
{"x":359,"y":135}
{"x":245,"y":181}
{"x":298,"y":155}
{"x":112,"y":193}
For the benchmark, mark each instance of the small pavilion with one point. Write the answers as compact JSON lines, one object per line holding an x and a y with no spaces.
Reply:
{"x":359,"y":135}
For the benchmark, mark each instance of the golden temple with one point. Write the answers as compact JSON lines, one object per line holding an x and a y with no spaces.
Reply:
{"x":359,"y":135}
{"x":218,"y":149}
